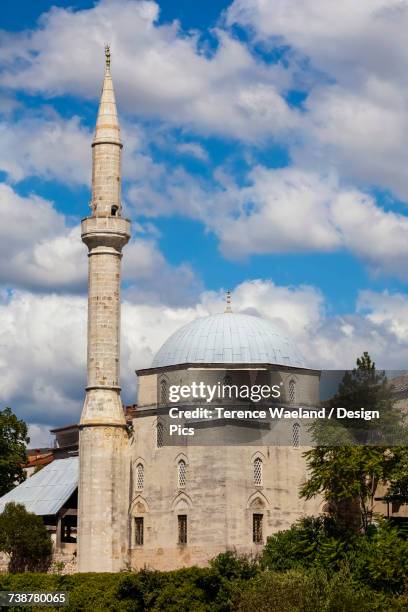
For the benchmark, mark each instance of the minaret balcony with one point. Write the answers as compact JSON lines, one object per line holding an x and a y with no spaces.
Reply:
{"x":105,"y":231}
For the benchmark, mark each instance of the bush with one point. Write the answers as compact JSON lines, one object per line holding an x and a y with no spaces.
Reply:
{"x":300,"y":590}
{"x":312,"y":541}
{"x":377,"y":559}
{"x":195,"y":589}
{"x":185,"y":590}
{"x":24,"y":537}
{"x":381,"y":559}
{"x":368,"y":574}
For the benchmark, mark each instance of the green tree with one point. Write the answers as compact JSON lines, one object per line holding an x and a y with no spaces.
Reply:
{"x":342,"y":469}
{"x":25,"y":539}
{"x":13,"y":441}
{"x":311,"y":541}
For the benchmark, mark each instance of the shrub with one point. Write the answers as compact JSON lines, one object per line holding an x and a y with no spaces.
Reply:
{"x":371,"y":576}
{"x":300,"y":590}
{"x":381,"y":559}
{"x":309,"y":542}
{"x":24,"y":537}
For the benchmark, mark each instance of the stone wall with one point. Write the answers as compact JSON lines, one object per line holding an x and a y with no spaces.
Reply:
{"x":220,"y":496}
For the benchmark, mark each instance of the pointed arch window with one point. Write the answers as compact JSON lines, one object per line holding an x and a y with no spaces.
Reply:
{"x":292,"y":392}
{"x":139,"y":476}
{"x":182,"y":528}
{"x":159,"y":435}
{"x":258,"y":472}
{"x":257,"y":528}
{"x":296,"y":435}
{"x":227,"y":380}
{"x":163,"y":392}
{"x":182,"y":475}
{"x":139,"y":530}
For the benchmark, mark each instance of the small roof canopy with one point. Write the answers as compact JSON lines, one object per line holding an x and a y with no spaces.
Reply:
{"x":46,"y":491}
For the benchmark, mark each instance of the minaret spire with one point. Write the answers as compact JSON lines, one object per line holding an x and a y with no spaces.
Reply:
{"x":103,"y":437}
{"x":106,"y":188}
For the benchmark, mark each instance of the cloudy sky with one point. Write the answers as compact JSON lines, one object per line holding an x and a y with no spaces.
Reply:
{"x":266,"y":152}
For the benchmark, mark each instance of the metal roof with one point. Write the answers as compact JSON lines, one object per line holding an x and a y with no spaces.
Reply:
{"x":46,"y":491}
{"x":229,"y":338}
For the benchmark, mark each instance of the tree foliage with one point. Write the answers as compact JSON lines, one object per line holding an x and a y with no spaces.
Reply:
{"x":378,"y":559}
{"x":13,"y":440}
{"x":342,"y":469}
{"x":25,"y":539}
{"x":209,"y":589}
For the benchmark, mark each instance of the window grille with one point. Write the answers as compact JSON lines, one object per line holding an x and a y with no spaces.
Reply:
{"x":163,"y":392}
{"x":182,"y":528}
{"x":139,"y":531}
{"x":258,"y":471}
{"x":139,"y":476}
{"x":257,"y":528}
{"x":160,"y":435}
{"x":292,"y":392}
{"x":296,"y":435}
{"x":182,"y":474}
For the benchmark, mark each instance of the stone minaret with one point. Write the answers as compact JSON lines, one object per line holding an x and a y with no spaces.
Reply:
{"x":103,"y":437}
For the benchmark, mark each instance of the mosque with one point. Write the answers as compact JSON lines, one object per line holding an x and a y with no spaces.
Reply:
{"x":125,"y":494}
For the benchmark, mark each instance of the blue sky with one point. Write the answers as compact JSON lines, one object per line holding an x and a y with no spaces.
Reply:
{"x":265,"y":152}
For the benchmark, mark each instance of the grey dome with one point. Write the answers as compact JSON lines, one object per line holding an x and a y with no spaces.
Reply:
{"x":228,"y":338}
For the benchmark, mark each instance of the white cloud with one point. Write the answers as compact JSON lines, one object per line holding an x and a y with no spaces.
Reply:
{"x":387,"y":309}
{"x":159,"y":70}
{"x":42,"y":356}
{"x":376,"y":236}
{"x":362,"y":133}
{"x":281,"y":211}
{"x":379,"y":326}
{"x":356,"y":116}
{"x":296,"y":310}
{"x":345,"y":39}
{"x":44,"y":144}
{"x":50,"y":148}
{"x":194,"y":149}
{"x":152,"y":279}
{"x":43,"y":338}
{"x":355,"y":119}
{"x":43,"y":341}
{"x":40,"y":436}
{"x":284,"y":210}
{"x":39,"y":251}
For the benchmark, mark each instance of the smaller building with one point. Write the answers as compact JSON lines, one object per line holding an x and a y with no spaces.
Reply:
{"x":37,"y":458}
{"x":52,"y":493}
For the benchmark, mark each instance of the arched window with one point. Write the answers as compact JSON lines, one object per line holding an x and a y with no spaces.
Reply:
{"x":296,"y":435}
{"x":292,"y":392}
{"x":139,"y":476}
{"x":227,"y":380}
{"x":160,"y":435}
{"x":163,"y":392}
{"x":258,"y":472}
{"x":257,"y":524}
{"x":182,"y":474}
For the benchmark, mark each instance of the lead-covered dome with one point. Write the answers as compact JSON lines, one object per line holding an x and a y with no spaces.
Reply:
{"x":229,"y":338}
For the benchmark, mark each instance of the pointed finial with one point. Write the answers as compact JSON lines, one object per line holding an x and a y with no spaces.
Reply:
{"x":228,"y":302}
{"x":107,"y":56}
